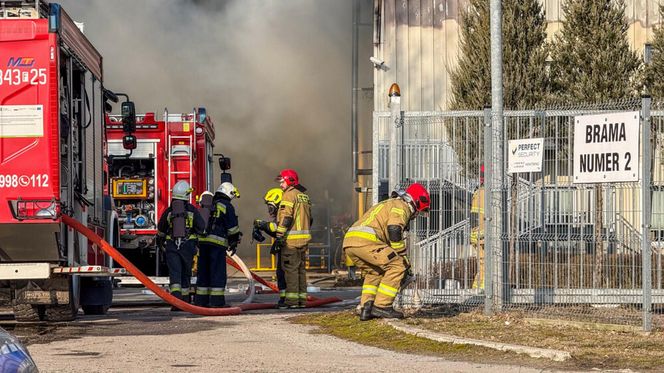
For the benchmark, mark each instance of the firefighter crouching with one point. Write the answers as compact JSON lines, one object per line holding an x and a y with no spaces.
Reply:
{"x":376,"y":244}
{"x":177,"y":230}
{"x":272,"y":200}
{"x":293,"y":235}
{"x":223,"y":236}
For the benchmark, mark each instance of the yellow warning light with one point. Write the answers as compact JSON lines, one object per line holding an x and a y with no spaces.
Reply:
{"x":394,"y":90}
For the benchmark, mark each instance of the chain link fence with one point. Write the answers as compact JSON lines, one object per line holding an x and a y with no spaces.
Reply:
{"x":544,"y":244}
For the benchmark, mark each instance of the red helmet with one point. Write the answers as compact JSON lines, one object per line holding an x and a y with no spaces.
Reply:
{"x":420,"y":197}
{"x":289,"y":176}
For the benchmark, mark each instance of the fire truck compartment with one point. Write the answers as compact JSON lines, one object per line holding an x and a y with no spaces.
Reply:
{"x":29,"y":242}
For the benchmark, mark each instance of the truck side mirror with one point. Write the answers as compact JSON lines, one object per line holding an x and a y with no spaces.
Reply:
{"x":128,"y":117}
{"x":129,"y":142}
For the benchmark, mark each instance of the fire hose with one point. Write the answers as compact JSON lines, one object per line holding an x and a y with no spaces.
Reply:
{"x":166,"y":296}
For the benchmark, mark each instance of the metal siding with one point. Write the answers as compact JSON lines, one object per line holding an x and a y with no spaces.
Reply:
{"x":402,"y":52}
{"x":98,"y":123}
{"x":427,"y":61}
{"x":419,"y":43}
{"x":414,"y":56}
{"x":90,"y":156}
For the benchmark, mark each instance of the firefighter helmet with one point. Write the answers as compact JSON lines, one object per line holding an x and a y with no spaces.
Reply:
{"x":229,"y":190}
{"x":181,"y":190}
{"x":273,"y":196}
{"x":419,"y":197}
{"x":289,"y":176}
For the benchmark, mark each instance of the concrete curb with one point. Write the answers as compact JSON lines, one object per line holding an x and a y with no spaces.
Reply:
{"x":555,"y":355}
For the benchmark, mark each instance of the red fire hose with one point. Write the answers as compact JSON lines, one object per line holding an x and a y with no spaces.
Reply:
{"x":311,"y":301}
{"x":167,"y":297}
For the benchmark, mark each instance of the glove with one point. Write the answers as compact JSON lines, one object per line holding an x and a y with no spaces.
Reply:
{"x":231,"y":250}
{"x":256,"y":235}
{"x":409,"y":268}
{"x":275,"y":249}
{"x":280,"y":242}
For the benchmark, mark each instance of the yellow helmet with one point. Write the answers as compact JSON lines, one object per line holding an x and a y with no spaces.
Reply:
{"x":274,"y":196}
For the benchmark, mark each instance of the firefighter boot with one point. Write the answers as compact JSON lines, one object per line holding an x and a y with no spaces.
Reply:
{"x":386,"y":313}
{"x":365,"y":312}
{"x":219,"y":301}
{"x":177,"y":295}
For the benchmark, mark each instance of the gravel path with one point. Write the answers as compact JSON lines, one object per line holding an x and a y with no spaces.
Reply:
{"x":154,"y":341}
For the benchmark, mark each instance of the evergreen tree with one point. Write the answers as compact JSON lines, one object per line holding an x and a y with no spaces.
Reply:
{"x":525,"y":82}
{"x":524,"y":56}
{"x":592,"y":61}
{"x":655,"y":70}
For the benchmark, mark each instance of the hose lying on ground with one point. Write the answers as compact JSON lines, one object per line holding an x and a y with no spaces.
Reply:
{"x":167,"y":297}
{"x":161,"y":293}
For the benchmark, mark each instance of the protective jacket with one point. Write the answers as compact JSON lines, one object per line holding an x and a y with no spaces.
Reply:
{"x":223,"y":229}
{"x":382,"y":225}
{"x":294,"y":217}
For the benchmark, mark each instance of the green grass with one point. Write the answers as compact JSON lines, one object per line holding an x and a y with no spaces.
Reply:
{"x":590,"y":346}
{"x":346,"y":325}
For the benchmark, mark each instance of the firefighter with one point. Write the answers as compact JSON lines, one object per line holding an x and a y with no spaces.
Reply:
{"x":477,"y":232}
{"x":223,"y":236}
{"x":376,"y":244}
{"x":178,"y":228}
{"x":273,"y":200}
{"x":293,"y":222}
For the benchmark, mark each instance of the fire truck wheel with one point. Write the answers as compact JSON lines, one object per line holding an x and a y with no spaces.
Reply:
{"x":28,"y":312}
{"x":95,"y":310}
{"x":60,"y":313}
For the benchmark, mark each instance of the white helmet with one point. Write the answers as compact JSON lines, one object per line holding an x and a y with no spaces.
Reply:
{"x":229,"y":190}
{"x":181,"y":190}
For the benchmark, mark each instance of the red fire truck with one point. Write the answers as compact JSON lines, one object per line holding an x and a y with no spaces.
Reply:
{"x":145,"y":160}
{"x":52,"y":139}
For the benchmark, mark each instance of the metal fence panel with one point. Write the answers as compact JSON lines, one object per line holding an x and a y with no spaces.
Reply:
{"x":555,"y":248}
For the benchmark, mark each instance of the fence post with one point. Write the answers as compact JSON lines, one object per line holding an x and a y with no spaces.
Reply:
{"x":395,"y":116}
{"x":646,"y":210}
{"x":488,"y":214}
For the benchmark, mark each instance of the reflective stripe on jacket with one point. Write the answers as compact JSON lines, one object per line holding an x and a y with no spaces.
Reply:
{"x":295,"y":207}
{"x":223,"y":223}
{"x":372,"y":226}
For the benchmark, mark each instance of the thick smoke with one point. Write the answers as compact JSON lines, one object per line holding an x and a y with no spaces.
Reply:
{"x":273,"y":75}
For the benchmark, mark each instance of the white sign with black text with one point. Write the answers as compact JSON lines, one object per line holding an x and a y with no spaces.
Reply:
{"x":525,"y":155}
{"x":606,"y":148}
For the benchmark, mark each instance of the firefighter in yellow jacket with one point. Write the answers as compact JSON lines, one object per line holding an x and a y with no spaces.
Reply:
{"x":293,"y":235}
{"x":376,"y":244}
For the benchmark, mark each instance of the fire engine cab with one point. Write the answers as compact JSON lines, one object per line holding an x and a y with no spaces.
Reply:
{"x":146,"y":157}
{"x":52,"y":138}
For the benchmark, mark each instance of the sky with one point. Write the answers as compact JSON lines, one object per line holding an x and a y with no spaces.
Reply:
{"x":275,"y":77}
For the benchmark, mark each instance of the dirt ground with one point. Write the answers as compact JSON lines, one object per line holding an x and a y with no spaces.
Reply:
{"x":155,"y":340}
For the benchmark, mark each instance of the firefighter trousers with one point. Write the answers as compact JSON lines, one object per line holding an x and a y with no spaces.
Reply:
{"x":281,"y":277}
{"x":383,"y":267}
{"x":179,"y":261}
{"x":211,"y":278}
{"x":293,"y":262}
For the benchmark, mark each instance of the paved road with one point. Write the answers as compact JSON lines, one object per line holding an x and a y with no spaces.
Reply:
{"x":155,"y":340}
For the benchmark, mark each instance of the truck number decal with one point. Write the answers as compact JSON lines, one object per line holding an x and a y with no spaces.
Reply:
{"x":15,"y":181}
{"x":18,"y":76}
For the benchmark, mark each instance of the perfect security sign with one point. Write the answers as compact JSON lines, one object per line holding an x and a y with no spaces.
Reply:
{"x":606,"y":148}
{"x":525,"y":155}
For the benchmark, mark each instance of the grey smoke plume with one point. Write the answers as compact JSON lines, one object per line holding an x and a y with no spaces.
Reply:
{"x":273,"y":75}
